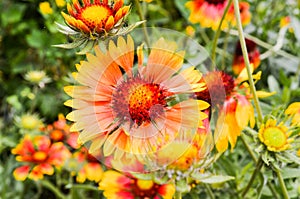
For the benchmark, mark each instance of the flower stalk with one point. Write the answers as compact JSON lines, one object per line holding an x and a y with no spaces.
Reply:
{"x":258,"y":167}
{"x":282,"y":184}
{"x":246,"y":60}
{"x":217,"y":35}
{"x":51,"y":187}
{"x":177,"y":195}
{"x":142,"y":18}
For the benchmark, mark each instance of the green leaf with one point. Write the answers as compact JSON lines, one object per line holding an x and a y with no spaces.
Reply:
{"x":143,"y":176}
{"x":290,"y":173}
{"x":38,"y":39}
{"x":181,"y":7}
{"x":87,"y":48}
{"x":217,"y":179}
{"x":182,"y":186}
{"x":14,"y":102}
{"x":74,"y":44}
{"x":12,"y":14}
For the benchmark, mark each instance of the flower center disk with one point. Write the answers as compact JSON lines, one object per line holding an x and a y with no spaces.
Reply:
{"x":138,"y":101}
{"x":274,"y":137}
{"x":95,"y":16}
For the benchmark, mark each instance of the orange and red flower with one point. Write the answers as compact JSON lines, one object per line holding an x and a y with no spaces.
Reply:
{"x":95,"y":18}
{"x":209,"y":13}
{"x":238,"y":60}
{"x":235,"y":109}
{"x":59,"y":131}
{"x":118,"y":185}
{"x":40,"y":157}
{"x":133,"y":110}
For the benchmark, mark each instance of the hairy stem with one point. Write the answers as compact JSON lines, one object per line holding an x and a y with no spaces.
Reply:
{"x":282,"y":184}
{"x":246,"y":59}
{"x":142,"y":18}
{"x":217,"y":35}
{"x":258,"y":167}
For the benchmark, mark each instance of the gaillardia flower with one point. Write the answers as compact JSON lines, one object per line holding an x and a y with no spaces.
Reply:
{"x":95,"y":18}
{"x":274,"y":136}
{"x":118,"y":185}
{"x":238,"y":60}
{"x":39,"y":156}
{"x":209,"y":13}
{"x":134,"y":109}
{"x":235,"y":109}
{"x":89,"y":22}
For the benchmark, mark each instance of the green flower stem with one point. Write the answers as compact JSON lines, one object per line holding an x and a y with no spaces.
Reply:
{"x":282,"y":184}
{"x":258,"y":167}
{"x":217,"y":35}
{"x":248,"y":148}
{"x":246,"y":59}
{"x":209,"y":191}
{"x":85,"y":186}
{"x":51,"y":187}
{"x":178,"y":195}
{"x":269,"y":184}
{"x":142,"y":18}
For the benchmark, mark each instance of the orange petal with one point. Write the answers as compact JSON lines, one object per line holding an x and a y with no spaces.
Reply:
{"x":21,"y":173}
{"x":118,"y":4}
{"x":109,"y":23}
{"x":123,"y":53}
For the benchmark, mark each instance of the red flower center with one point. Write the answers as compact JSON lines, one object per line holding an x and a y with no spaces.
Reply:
{"x":219,"y":84}
{"x":215,"y":2}
{"x":138,"y":101}
{"x":144,"y":189}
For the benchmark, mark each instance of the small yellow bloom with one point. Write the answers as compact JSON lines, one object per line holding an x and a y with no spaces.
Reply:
{"x":274,"y":136}
{"x":190,"y":31}
{"x":60,"y":3}
{"x":35,"y":76}
{"x":30,"y":122}
{"x":45,"y":8}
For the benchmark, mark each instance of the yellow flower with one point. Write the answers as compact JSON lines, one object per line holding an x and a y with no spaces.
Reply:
{"x":60,"y":3}
{"x":190,"y":31}
{"x":274,"y":136}
{"x":294,"y":111}
{"x":45,"y":8}
{"x":30,"y":122}
{"x":37,"y":77}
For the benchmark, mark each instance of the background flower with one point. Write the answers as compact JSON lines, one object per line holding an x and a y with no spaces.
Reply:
{"x":117,"y":185}
{"x":39,"y":156}
{"x":209,"y":13}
